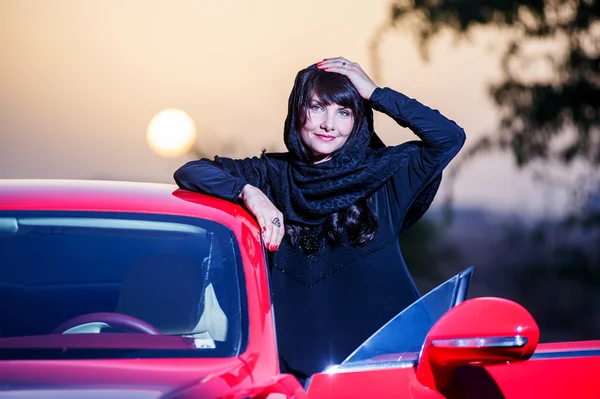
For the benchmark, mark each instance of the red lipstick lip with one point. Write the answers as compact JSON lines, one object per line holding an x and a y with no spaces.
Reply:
{"x":325,"y":137}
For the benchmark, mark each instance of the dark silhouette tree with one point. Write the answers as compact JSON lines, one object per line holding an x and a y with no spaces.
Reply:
{"x":549,"y":99}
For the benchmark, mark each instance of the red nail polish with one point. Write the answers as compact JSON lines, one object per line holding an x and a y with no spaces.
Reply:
{"x":325,"y":69}
{"x":319,"y":63}
{"x":324,"y":59}
{"x":276,"y":248}
{"x":264,"y":228}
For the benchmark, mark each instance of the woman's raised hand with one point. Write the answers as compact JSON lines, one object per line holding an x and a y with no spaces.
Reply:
{"x":268,"y":216}
{"x":363,"y":83}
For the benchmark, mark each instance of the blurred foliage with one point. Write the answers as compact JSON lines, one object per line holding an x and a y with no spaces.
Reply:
{"x":552,"y":268}
{"x":549,"y":97}
{"x":558,"y":281}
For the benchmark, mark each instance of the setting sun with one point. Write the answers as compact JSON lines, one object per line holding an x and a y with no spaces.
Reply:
{"x":171,"y":133}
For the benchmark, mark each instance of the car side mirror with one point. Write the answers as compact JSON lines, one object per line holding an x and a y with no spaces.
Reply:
{"x":477,"y":332}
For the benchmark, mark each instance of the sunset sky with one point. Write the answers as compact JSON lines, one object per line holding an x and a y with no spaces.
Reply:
{"x":81,"y":80}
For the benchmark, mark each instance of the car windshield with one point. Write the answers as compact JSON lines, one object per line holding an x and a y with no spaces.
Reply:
{"x":402,"y":337}
{"x":97,"y":284}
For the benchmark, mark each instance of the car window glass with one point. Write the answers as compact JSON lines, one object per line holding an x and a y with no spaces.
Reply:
{"x":402,"y":337}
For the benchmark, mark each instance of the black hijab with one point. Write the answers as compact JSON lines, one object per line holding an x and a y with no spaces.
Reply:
{"x":308,"y":193}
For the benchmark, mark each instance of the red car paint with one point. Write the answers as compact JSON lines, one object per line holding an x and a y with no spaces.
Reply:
{"x":558,"y":370}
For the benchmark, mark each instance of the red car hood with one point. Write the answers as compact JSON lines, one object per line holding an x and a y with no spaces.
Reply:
{"x":127,"y":379}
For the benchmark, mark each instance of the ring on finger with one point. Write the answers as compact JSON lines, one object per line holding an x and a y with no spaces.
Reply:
{"x":277,"y":222}
{"x":344,"y":64}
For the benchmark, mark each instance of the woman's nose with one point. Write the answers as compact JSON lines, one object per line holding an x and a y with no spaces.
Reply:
{"x":328,"y":123}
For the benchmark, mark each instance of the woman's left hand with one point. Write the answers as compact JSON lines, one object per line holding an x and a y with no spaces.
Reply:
{"x":363,"y":83}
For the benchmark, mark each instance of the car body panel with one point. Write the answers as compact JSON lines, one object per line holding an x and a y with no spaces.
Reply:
{"x":557,"y":378}
{"x":161,"y":376}
{"x":114,"y":196}
{"x":567,"y":347}
{"x":381,"y":383}
{"x":575,"y":377}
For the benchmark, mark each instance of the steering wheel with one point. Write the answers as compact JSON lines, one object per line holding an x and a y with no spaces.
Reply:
{"x":94,"y":322}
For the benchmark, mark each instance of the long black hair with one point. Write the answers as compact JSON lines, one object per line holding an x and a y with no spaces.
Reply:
{"x":357,"y":224}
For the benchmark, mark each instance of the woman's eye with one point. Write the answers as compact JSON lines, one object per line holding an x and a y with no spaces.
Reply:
{"x":345,"y":114}
{"x":315,"y":107}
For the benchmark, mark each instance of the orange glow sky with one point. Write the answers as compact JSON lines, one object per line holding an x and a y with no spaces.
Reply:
{"x":80,"y":80}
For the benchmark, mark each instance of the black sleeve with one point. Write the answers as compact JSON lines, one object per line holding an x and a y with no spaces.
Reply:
{"x":416,"y":182}
{"x":222,"y":178}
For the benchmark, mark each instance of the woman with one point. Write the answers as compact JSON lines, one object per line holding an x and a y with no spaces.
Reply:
{"x":333,"y":206}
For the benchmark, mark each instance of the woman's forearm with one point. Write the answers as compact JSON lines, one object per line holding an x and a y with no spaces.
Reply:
{"x":205,"y":177}
{"x":438,"y":133}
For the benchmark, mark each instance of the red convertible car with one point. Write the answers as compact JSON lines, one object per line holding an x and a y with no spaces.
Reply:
{"x":135,"y":290}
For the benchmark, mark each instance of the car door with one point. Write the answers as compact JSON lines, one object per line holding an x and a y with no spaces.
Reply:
{"x":445,"y":347}
{"x":558,"y":370}
{"x":384,"y":366}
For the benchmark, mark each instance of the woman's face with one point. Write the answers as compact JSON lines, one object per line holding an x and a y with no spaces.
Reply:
{"x":326,"y":129}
